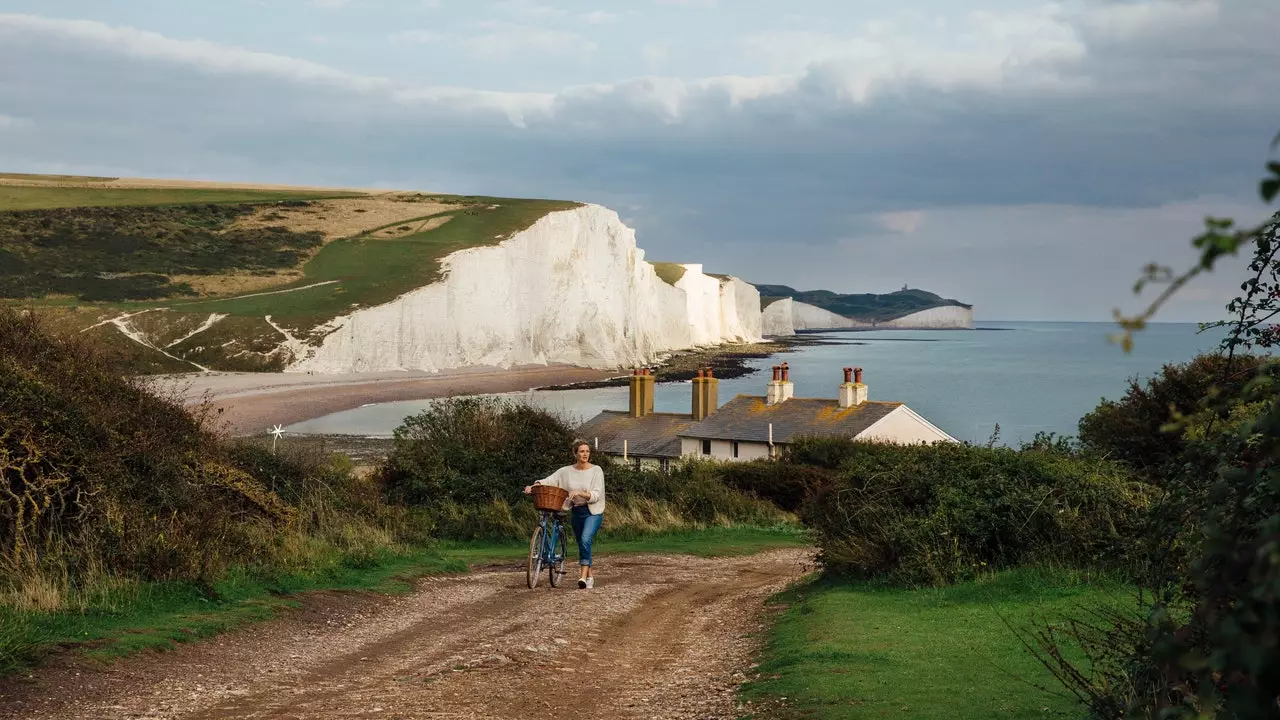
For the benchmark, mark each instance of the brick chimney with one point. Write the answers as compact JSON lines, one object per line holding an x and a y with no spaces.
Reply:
{"x":852,"y":392}
{"x":788,"y":388}
{"x":640,"y":393}
{"x":699,"y":410}
{"x":773,"y":393}
{"x":710,"y":392}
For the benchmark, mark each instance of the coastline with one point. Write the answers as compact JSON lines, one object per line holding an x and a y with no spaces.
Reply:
{"x":247,"y":404}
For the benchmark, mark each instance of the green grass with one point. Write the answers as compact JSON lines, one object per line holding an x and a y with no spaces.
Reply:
{"x":372,"y":271}
{"x":20,"y":197}
{"x":853,"y":651}
{"x":669,"y":273}
{"x":157,"y":616}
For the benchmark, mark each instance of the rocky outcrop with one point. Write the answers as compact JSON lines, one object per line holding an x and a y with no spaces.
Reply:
{"x":572,"y":288}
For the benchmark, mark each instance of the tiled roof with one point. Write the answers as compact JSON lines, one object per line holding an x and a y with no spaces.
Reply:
{"x":654,"y":435}
{"x":747,"y":417}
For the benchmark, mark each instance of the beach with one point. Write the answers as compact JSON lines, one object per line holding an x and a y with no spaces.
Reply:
{"x":251,"y":403}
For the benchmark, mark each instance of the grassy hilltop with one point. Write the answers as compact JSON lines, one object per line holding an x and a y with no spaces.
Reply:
{"x":868,"y":307}
{"x":203,"y":265}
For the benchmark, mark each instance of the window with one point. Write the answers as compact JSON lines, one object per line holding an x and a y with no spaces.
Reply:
{"x":635,"y":464}
{"x":706,"y":447}
{"x":665,"y":464}
{"x":735,"y":448}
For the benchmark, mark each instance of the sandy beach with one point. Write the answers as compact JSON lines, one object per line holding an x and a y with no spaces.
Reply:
{"x":250,"y":403}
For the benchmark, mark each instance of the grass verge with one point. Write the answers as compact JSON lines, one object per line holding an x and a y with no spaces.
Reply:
{"x":133,"y":617}
{"x":844,"y":650}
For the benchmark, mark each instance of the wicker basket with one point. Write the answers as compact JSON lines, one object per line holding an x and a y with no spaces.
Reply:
{"x":549,"y":497}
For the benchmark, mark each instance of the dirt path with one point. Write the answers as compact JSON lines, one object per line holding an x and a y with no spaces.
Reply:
{"x":658,"y":637}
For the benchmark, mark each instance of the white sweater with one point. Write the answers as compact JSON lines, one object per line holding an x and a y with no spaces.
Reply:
{"x":571,"y":478}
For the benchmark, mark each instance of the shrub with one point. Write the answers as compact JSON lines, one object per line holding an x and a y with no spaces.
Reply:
{"x":471,"y":450}
{"x":101,"y":477}
{"x":930,"y":515}
{"x":1133,"y":428}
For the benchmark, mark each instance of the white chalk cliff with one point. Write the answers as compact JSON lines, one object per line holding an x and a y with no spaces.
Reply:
{"x":572,"y":288}
{"x":776,"y":320}
{"x":943,"y":317}
{"x":811,"y":317}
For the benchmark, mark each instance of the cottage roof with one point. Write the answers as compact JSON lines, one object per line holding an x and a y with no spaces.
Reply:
{"x":653,"y":435}
{"x":747,"y":417}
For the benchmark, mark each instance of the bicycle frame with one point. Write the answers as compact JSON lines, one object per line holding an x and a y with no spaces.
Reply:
{"x":548,"y":535}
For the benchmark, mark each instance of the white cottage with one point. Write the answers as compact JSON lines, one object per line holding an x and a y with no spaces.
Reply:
{"x":749,"y":427}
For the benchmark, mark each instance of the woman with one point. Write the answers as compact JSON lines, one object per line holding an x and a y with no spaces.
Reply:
{"x":585,"y":483}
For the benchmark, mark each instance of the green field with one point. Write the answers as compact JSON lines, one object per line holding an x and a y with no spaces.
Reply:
{"x":87,"y":252}
{"x":843,"y":651}
{"x":27,"y":197}
{"x":140,"y":616}
{"x":371,"y":271}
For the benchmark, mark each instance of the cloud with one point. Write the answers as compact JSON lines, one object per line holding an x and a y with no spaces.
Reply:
{"x":89,"y":35}
{"x":997,"y":141}
{"x":9,"y":122}
{"x":600,"y":17}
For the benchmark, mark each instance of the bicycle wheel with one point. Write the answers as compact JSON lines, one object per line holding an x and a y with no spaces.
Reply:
{"x":559,"y":557}
{"x":534,"y":568}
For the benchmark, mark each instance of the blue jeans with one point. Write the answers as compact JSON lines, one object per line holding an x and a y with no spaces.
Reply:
{"x":585,"y":526}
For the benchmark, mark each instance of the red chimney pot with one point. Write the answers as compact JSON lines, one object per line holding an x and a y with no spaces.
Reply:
{"x":786,"y":373}
{"x":848,"y":372}
{"x":777,"y":373}
{"x":857,"y":375}
{"x":708,"y":371}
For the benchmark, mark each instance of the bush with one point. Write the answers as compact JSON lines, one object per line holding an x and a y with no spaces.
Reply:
{"x":1132,"y":429}
{"x":101,"y":478}
{"x":473,"y":450}
{"x":931,"y":515}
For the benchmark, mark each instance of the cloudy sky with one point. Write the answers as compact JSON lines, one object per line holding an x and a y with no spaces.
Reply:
{"x":1027,"y":157}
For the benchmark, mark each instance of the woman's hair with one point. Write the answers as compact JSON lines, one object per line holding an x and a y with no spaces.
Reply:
{"x":578,"y":443}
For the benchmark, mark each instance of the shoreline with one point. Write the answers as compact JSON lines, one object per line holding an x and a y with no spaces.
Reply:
{"x":249,"y":404}
{"x":246,"y":404}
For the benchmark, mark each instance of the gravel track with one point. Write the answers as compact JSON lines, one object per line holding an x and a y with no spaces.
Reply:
{"x":660,"y":636}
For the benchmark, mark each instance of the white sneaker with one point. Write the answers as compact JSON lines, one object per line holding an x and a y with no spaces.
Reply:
{"x":591,"y":582}
{"x":583,"y":583}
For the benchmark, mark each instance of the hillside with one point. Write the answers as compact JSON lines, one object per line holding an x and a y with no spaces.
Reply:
{"x":865,"y":307}
{"x":187,"y":276}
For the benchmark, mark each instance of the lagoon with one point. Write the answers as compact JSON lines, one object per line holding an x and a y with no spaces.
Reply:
{"x":1027,"y":376}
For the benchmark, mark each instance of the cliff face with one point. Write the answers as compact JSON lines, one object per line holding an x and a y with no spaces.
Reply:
{"x":775,"y":318}
{"x":572,"y":288}
{"x":951,"y":316}
{"x":810,"y":317}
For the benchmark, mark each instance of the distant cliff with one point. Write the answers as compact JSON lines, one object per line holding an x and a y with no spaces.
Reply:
{"x":823,"y":309}
{"x":572,"y":288}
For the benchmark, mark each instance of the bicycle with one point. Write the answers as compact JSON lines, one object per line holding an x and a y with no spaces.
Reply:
{"x":549,"y":545}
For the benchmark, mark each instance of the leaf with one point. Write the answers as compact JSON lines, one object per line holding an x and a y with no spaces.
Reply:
{"x":1269,"y":188}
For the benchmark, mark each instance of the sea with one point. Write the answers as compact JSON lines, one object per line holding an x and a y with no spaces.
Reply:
{"x":1025,"y":377}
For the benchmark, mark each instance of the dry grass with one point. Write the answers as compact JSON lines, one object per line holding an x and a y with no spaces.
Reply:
{"x":412,"y":228}
{"x":236,"y":284}
{"x":349,"y":217}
